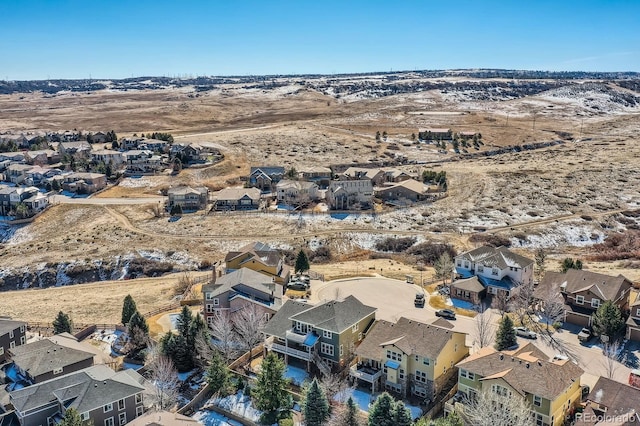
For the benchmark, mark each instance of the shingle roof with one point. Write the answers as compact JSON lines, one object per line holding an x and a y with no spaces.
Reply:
{"x":162,"y":418}
{"x":265,"y":253}
{"x":605,"y":287}
{"x":184,"y":190}
{"x":244,"y":276}
{"x":281,"y":322}
{"x":335,"y":315}
{"x":237,"y":193}
{"x":88,"y":389}
{"x":43,"y":356}
{"x":500,"y":257}
{"x":469,"y":284}
{"x":526,"y":370}
{"x":300,"y":185}
{"x":7,"y":325}
{"x":410,"y":336}
{"x":617,"y":397}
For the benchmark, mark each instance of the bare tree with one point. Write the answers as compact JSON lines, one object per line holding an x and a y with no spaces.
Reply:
{"x":522,"y":299}
{"x":484,"y":330}
{"x":500,"y":302}
{"x":492,"y":409}
{"x":612,"y":358}
{"x":204,"y":348}
{"x":248,"y":323}
{"x":222,"y":329}
{"x":551,"y":307}
{"x":443,"y":267}
{"x":336,"y":387}
{"x":541,"y":257}
{"x":164,"y":378}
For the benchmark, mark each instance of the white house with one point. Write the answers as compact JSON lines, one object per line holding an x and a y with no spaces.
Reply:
{"x":296,"y":192}
{"x":345,"y":194}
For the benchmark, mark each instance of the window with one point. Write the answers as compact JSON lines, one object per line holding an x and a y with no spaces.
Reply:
{"x":22,"y":340}
{"x":326,"y":349}
{"x":425,"y":361}
{"x":401,"y":374}
{"x":210,"y":309}
{"x":537,"y":401}
{"x":122,"y":419}
{"x":266,"y":316}
{"x":11,"y":334}
{"x":359,"y":336}
{"x":466,"y":265}
{"x":638,"y":312}
{"x":84,"y":416}
{"x":467,"y":374}
{"x":1,"y":350}
{"x":138,"y":398}
{"x":480,"y":268}
{"x":50,"y":421}
{"x":216,"y":302}
{"x":417,"y":358}
{"x":579,"y":300}
{"x":354,"y":328}
{"x":327,"y":334}
{"x":458,"y":263}
{"x":495,"y":271}
{"x":455,"y":347}
{"x":22,"y":329}
{"x":139,"y":411}
{"x":12,"y":345}
{"x":537,"y":418}
{"x":421,"y":376}
{"x":108,"y":422}
{"x":107,"y":408}
{"x":341,"y":350}
{"x":209,"y":296}
{"x":57,"y":370}
{"x":394,"y":356}
{"x":595,"y":302}
{"x":500,"y":390}
{"x":120,"y":404}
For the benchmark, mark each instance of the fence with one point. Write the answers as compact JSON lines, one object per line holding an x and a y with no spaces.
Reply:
{"x":440,"y":404}
{"x":247,"y":357}
{"x":77,"y":327}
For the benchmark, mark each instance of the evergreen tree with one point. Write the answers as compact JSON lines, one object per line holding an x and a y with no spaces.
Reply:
{"x":302,"y":262}
{"x":401,"y":415}
{"x":175,"y":348}
{"x":138,"y":332}
{"x":217,"y":375}
{"x":128,"y":309}
{"x":316,"y":405}
{"x":62,"y":323}
{"x":270,"y":391}
{"x":381,"y":413}
{"x":183,"y":322}
{"x":506,"y":335}
{"x":72,"y":418}
{"x":569,"y":263}
{"x":349,"y":415}
{"x":608,"y":320}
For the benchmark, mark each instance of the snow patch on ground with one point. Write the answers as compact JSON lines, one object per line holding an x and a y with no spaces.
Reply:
{"x":572,"y":234}
{"x":142,"y":182}
{"x":297,"y":375}
{"x":178,"y":258}
{"x":15,"y":234}
{"x":238,"y":404}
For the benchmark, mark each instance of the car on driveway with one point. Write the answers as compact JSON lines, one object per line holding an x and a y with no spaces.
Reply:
{"x":298,"y":286}
{"x":525,"y":332}
{"x":584,"y":335}
{"x":446,"y":313}
{"x":419,"y":300}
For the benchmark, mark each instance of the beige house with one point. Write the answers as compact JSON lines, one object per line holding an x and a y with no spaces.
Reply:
{"x":261,"y":258}
{"x":188,"y":198}
{"x":408,"y":357}
{"x":296,"y":192}
{"x":108,"y":156}
{"x":349,"y":194}
{"x":237,"y":199}
{"x":404,"y":192}
{"x":87,"y":183}
{"x":633,"y":322}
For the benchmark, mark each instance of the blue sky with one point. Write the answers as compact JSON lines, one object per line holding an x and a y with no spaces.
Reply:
{"x":124,"y":38}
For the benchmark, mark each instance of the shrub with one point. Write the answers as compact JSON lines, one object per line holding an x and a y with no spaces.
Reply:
{"x":492,"y":240}
{"x":395,"y":245}
{"x":429,"y":252}
{"x":321,"y":254}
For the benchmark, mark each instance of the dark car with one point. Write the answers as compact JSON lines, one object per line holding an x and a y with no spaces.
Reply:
{"x":298,"y":285}
{"x":419,"y":300}
{"x":446,"y":313}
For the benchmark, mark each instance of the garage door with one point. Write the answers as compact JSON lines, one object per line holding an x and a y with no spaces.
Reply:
{"x":634,"y":334}
{"x":578,"y":319}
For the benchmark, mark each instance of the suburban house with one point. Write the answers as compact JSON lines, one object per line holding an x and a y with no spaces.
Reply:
{"x":154,"y":145}
{"x":396,"y":176}
{"x":582,"y":292}
{"x":376,"y":176}
{"x":552,"y":388}
{"x":319,"y":175}
{"x":469,"y":289}
{"x":143,"y":162}
{"x":408,"y":357}
{"x":44,"y":359}
{"x":265,"y":178}
{"x":108,"y":156}
{"x":17,"y":173}
{"x":38,"y":174}
{"x":349,"y":194}
{"x":324,"y":335}
{"x":42,"y":157}
{"x":12,"y":334}
{"x":498,"y":269}
{"x":404,"y":192}
{"x":84,"y":183}
{"x":611,"y":402}
{"x":99,"y":394}
{"x":99,"y":137}
{"x":235,"y":290}
{"x":261,"y":258}
{"x":296,"y":192}
{"x":188,"y":198}
{"x":15,"y":157}
{"x":130,"y":143}
{"x":633,"y":322}
{"x":435,"y":134}
{"x":237,"y":199}
{"x":11,"y":197}
{"x":73,"y":148}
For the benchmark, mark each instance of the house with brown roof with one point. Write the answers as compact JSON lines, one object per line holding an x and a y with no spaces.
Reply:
{"x":376,"y":176}
{"x":265,"y":178}
{"x":582,"y":292}
{"x":74,"y":148}
{"x":261,"y":258}
{"x":84,"y":183}
{"x":350,"y":194}
{"x":551,"y":388}
{"x":296,"y":192}
{"x":319,"y":175}
{"x":408,"y":357}
{"x":237,"y":199}
{"x":469,"y":289}
{"x":404,"y":192}
{"x":188,"y":198}
{"x":609,"y":403}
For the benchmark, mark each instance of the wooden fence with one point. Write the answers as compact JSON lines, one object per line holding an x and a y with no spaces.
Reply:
{"x":246,"y":357}
{"x":439,"y":405}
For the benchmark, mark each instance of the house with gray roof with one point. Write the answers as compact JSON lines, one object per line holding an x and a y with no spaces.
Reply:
{"x":44,"y":360}
{"x":498,"y":269}
{"x":237,"y":199}
{"x":259,"y":257}
{"x":610,"y":401}
{"x":237,"y":289}
{"x":409,"y":357}
{"x":265,"y":178}
{"x":188,"y":198}
{"x":12,"y":334}
{"x":98,"y":393}
{"x":323,"y":335}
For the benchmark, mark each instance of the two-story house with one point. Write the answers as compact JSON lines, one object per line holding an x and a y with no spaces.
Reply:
{"x":237,"y":199}
{"x":610,"y":403}
{"x":17,"y":173}
{"x":81,"y":148}
{"x":42,"y":157}
{"x":142,"y":161}
{"x":375,"y":176}
{"x":583,"y":292}
{"x":188,"y":198}
{"x":233,"y":291}
{"x":261,"y":258}
{"x":552,"y":388}
{"x":98,"y":393}
{"x":319,"y":175}
{"x":296,"y":192}
{"x":12,"y":334}
{"x":11,"y":197}
{"x":265,"y":178}
{"x":108,"y":156}
{"x":86,"y":183}
{"x":498,"y":269}
{"x":633,"y":322}
{"x":409,"y":357}
{"x":349,"y":194}
{"x":323,"y":335}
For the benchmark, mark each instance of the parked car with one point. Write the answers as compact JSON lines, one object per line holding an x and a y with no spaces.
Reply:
{"x":584,"y":335}
{"x":525,"y":332}
{"x":446,"y":313}
{"x":419,"y":300}
{"x":298,"y":285}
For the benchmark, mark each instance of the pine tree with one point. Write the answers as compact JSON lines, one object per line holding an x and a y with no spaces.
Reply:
{"x":217,"y":375}
{"x":128,"y":309}
{"x":302,"y":262}
{"x":316,"y":405}
{"x":270,"y":391}
{"x":62,"y":323}
{"x":350,"y":417}
{"x":71,"y":418}
{"x":608,"y":320}
{"x":401,"y":415}
{"x":183,"y":322}
{"x":506,"y":335}
{"x":381,"y":413}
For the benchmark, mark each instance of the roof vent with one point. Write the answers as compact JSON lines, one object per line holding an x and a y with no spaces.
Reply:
{"x":512,"y":359}
{"x":104,"y":383}
{"x":95,"y":385}
{"x":501,"y":357}
{"x":527,"y":364}
{"x":540,"y":363}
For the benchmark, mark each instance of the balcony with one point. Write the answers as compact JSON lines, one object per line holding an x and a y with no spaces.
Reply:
{"x":294,"y":336}
{"x":276,"y":347}
{"x":365,"y":373}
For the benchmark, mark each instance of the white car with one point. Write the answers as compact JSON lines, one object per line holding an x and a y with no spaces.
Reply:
{"x":525,"y":332}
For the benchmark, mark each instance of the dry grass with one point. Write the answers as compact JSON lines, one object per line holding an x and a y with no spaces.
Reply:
{"x":438,"y":302}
